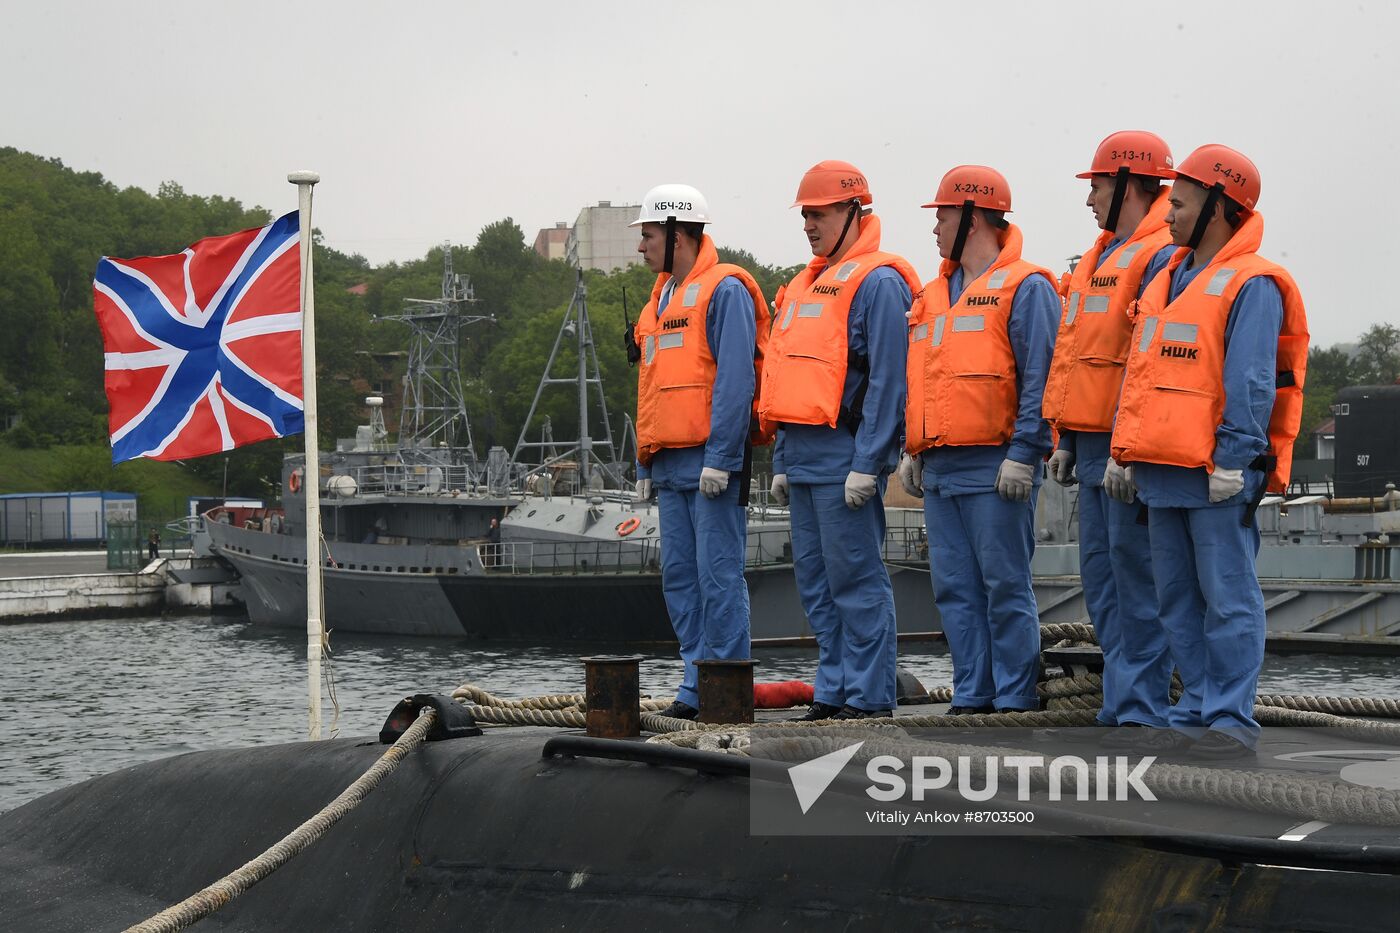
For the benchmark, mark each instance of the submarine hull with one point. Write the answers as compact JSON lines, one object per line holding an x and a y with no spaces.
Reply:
{"x":488,"y":833}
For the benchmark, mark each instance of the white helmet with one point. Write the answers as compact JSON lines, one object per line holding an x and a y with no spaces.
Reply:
{"x":682,"y":202}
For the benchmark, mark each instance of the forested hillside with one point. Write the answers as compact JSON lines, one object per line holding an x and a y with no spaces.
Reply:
{"x":55,"y":223}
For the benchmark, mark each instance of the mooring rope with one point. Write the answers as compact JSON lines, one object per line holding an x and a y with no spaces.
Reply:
{"x":1070,"y":701}
{"x":205,"y":902}
{"x":1374,"y":707}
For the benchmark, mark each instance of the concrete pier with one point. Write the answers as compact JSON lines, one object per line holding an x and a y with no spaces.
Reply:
{"x":167,"y":583}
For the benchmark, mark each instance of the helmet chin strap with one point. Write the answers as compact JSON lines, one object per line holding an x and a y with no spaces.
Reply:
{"x":1203,"y":218}
{"x":670,"y":244}
{"x":964,"y":226}
{"x":850,"y":219}
{"x":1120,"y":188}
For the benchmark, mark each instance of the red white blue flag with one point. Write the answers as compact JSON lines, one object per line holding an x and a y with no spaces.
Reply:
{"x":203,"y":348}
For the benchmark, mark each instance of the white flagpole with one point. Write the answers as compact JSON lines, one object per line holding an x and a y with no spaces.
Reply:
{"x":311,"y":479}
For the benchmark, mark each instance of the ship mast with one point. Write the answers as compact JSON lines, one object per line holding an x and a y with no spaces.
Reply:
{"x":586,"y":377}
{"x":433,"y":424}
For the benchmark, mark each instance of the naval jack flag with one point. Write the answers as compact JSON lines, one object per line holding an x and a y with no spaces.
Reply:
{"x":213,"y":348}
{"x":203,"y":348}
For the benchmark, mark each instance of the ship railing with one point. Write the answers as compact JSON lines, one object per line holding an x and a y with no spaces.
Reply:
{"x":764,"y":549}
{"x":425,"y":479}
{"x":549,"y":558}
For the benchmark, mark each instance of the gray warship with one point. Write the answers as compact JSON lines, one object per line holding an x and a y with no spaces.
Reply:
{"x":410,"y":549}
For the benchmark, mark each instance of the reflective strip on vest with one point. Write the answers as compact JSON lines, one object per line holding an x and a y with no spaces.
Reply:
{"x":1149,"y":330}
{"x":938,"y":324}
{"x":921,"y":331}
{"x":1219,"y":281}
{"x":692,"y":292}
{"x":1178,"y":333}
{"x":846,"y":271}
{"x":787,"y":315}
{"x":670,"y":341}
{"x":969,"y":322}
{"x":996,"y":280}
{"x":1126,"y":254}
{"x":650,"y":348}
{"x":1073,"y":307}
{"x":1096,"y":304}
{"x":810,"y":309}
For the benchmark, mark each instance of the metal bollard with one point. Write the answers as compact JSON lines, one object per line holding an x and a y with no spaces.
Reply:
{"x":726,"y":691}
{"x":613,"y":696}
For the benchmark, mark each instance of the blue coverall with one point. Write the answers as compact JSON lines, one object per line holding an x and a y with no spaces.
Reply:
{"x":702,"y":540}
{"x":1115,"y":569}
{"x":980,"y":545}
{"x":1202,"y":553}
{"x":837,"y":552}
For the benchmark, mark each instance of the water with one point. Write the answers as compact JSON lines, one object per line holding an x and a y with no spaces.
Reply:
{"x":79,"y":699}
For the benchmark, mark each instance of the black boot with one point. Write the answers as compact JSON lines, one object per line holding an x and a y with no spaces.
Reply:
{"x":818,"y":711}
{"x":852,"y":712}
{"x":1217,"y":746}
{"x":969,"y":710}
{"x":679,"y":710}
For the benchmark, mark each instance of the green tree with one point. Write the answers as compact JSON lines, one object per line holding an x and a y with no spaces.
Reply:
{"x":1378,"y":355}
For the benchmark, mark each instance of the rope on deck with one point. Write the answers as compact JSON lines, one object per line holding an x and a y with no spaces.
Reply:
{"x":1374,"y":707}
{"x":1070,"y":701}
{"x":471,"y":694}
{"x":1073,"y":701}
{"x":203,"y":903}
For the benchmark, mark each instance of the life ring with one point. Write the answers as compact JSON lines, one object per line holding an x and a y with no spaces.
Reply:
{"x":294,"y":481}
{"x":628,"y":525}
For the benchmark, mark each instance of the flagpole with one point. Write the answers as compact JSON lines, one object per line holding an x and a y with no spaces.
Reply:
{"x":311,"y":479}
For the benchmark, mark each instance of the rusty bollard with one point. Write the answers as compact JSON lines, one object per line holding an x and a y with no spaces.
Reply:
{"x":613,"y":696}
{"x":726,"y":691}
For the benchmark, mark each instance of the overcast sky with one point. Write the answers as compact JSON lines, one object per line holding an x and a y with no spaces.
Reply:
{"x":429,"y":120}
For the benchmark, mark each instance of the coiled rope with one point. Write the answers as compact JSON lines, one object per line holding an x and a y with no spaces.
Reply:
{"x":1071,"y":701}
{"x":205,"y":902}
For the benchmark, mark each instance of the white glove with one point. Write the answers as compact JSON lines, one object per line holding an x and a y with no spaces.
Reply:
{"x":778,"y":491}
{"x":911,"y":474}
{"x":1015,"y":480}
{"x":1062,"y":467}
{"x":1118,"y":481}
{"x":1225,"y":483}
{"x":713,"y":482}
{"x":859,"y":488}
{"x":644,"y":489}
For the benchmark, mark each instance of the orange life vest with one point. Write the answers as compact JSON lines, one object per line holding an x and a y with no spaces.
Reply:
{"x":961,"y":374}
{"x":1174,"y":393}
{"x":676,"y":379}
{"x":1081,"y":393}
{"x":807,"y":359}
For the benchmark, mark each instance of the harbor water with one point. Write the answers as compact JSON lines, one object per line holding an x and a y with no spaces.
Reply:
{"x":79,"y":699}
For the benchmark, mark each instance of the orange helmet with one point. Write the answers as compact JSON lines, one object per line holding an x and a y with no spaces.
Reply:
{"x":1214,"y":164}
{"x":983,"y":186}
{"x":832,"y":182}
{"x":1140,"y":152}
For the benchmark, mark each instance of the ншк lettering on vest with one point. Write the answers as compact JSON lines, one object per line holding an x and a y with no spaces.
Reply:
{"x":675,"y":381}
{"x":1091,"y":349}
{"x":961,"y":373}
{"x":807,"y":357}
{"x":1174,"y":393}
